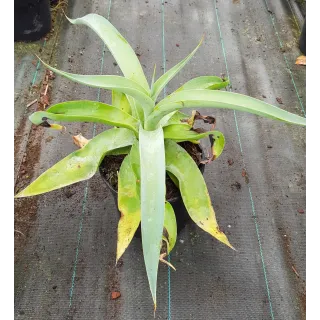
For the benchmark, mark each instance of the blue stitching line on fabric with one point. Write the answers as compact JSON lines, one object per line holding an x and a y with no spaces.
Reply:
{"x":285,"y":58}
{"x":164,"y":95}
{"x":249,"y":188}
{"x":85,"y":190}
{"x":37,"y":67}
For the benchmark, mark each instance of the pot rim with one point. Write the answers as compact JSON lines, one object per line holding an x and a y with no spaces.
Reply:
{"x":201,"y":167}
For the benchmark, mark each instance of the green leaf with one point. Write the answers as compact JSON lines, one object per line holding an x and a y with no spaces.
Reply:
{"x":193,"y":190}
{"x":81,"y":164}
{"x":118,"y":46}
{"x":120,"y":101}
{"x":119,"y":151}
{"x":152,"y":168}
{"x":84,"y":110}
{"x":180,"y":132}
{"x":134,"y":109}
{"x":219,"y":99}
{"x":153,"y":76}
{"x":173,"y":178}
{"x":205,"y":82}
{"x":170,"y":224}
{"x":178,"y":117}
{"x":129,"y":206}
{"x":116,"y":83}
{"x":218,"y":144}
{"x":175,"y":117}
{"x":135,"y":160}
{"x":165,"y":78}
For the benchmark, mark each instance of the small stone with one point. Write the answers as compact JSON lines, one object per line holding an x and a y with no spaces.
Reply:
{"x":301,"y":211}
{"x":181,"y":241}
{"x":229,"y":226}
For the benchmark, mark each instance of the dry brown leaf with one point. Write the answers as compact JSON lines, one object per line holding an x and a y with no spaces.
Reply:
{"x":301,"y":60}
{"x":115,"y":295}
{"x":45,"y":100}
{"x":80,"y":140}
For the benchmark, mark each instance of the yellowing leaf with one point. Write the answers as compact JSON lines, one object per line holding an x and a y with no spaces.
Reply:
{"x":129,"y":206}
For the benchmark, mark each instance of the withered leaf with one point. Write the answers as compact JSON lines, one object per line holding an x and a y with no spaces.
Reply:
{"x":301,"y":60}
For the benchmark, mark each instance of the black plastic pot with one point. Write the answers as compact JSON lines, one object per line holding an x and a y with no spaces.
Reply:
{"x":177,"y":204}
{"x":305,"y":42}
{"x":32,"y":19}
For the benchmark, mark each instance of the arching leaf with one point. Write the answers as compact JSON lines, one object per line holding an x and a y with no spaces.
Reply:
{"x":84,"y":110}
{"x":118,"y":46}
{"x":81,"y":164}
{"x":193,"y":190}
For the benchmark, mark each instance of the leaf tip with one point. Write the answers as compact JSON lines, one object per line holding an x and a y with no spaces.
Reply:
{"x":21,"y":194}
{"x":202,"y":39}
{"x":154,"y":309}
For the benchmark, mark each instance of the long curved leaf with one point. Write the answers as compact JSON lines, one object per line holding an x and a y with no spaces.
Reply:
{"x":193,"y":190}
{"x":165,"y":78}
{"x":84,"y":110}
{"x":219,"y":99}
{"x":116,"y":83}
{"x":118,"y":46}
{"x":81,"y":164}
{"x":129,"y":206}
{"x":170,"y":224}
{"x":152,"y":168}
{"x":205,"y":82}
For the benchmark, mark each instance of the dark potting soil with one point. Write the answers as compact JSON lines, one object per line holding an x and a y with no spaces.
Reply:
{"x":110,"y":167}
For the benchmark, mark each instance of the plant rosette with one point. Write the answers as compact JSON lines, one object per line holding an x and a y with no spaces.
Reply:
{"x":149,"y":136}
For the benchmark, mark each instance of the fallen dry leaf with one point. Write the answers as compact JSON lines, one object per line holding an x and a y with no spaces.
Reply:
{"x":301,"y":60}
{"x":115,"y":295}
{"x":45,"y":100}
{"x":245,"y":175}
{"x":80,"y":140}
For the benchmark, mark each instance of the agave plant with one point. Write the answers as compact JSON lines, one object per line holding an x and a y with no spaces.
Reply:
{"x":148,"y":133}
